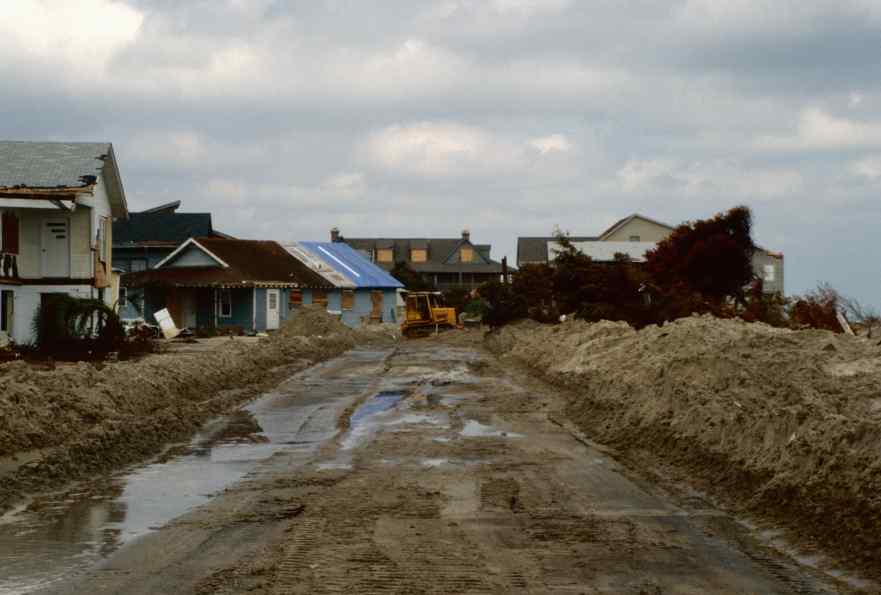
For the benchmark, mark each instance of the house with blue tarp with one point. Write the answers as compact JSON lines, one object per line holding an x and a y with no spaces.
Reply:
{"x":362,"y":292}
{"x":225,"y":285}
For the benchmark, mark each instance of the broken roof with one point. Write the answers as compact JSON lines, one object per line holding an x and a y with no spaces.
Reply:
{"x":249,"y":263}
{"x":57,"y":166}
{"x":347,"y":262}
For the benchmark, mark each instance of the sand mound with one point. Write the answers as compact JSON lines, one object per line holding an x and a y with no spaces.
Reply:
{"x":789,"y":422}
{"x":78,"y":418}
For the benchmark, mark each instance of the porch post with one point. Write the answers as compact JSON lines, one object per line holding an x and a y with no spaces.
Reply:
{"x":254,"y":309}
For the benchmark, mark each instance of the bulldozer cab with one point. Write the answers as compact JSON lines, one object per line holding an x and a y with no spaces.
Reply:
{"x":426,"y":310}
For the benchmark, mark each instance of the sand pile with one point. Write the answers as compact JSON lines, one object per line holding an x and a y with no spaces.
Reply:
{"x":77,"y":419}
{"x":786,"y":423}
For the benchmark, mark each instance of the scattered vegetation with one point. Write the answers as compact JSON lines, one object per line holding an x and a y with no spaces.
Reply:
{"x":73,"y":328}
{"x":412,"y":280}
{"x":703,"y":267}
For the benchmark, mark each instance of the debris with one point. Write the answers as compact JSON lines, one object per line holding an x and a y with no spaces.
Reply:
{"x":169,"y":330}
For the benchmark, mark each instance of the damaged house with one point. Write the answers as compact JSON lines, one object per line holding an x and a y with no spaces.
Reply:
{"x":57,"y":206}
{"x":634,"y":236}
{"x":225,"y":285}
{"x":362,"y":292}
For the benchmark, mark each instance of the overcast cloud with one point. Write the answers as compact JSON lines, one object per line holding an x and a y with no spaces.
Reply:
{"x":508,"y":117}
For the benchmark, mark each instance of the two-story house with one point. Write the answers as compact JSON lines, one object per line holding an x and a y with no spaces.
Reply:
{"x":634,"y":236}
{"x":446,"y":263}
{"x":57,"y":205}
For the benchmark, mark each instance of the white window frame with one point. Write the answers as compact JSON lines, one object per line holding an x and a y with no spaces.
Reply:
{"x":101,"y":240}
{"x":769,"y":273}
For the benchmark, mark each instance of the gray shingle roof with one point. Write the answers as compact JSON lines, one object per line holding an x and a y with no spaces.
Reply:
{"x":161,"y":227}
{"x":535,"y":249}
{"x":43,"y":166}
{"x":50,"y":165}
{"x":439,"y":251}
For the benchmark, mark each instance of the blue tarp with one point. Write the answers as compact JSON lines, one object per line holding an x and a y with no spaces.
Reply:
{"x":352,"y":265}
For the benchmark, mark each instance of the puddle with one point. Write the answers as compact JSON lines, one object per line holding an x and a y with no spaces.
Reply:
{"x":364,"y":421}
{"x":58,"y":535}
{"x":475,"y":429}
{"x":334,"y":466}
{"x":433,"y":463}
{"x":376,"y":404}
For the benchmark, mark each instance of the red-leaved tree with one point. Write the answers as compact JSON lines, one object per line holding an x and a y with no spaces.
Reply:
{"x":705,"y":262}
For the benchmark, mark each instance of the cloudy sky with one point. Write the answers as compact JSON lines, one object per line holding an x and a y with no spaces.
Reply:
{"x":508,"y":117}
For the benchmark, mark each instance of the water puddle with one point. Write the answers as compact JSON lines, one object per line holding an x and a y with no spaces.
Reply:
{"x":366,"y":419}
{"x":60,"y":534}
{"x":475,"y":429}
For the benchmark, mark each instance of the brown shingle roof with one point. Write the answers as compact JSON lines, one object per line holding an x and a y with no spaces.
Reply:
{"x":251,"y":263}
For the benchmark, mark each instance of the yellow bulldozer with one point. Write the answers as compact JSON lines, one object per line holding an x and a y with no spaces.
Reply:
{"x":425,"y":313}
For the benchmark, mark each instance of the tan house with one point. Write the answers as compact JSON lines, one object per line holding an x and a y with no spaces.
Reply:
{"x":57,"y":206}
{"x":634,"y":236}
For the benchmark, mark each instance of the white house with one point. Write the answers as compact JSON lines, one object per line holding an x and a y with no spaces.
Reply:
{"x":57,"y":205}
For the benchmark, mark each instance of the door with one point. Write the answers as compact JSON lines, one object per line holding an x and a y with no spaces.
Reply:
{"x":56,"y":248}
{"x":273,"y":318}
{"x":376,"y":303}
{"x":188,"y":308}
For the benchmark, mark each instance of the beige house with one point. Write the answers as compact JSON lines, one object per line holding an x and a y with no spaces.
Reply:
{"x":57,"y":206}
{"x":634,"y":236}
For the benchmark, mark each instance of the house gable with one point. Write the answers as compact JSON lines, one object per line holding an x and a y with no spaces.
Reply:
{"x":191,"y":254}
{"x":636,"y":228}
{"x":466,"y":253}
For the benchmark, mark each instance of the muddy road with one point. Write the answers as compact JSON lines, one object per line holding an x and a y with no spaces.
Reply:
{"x":426,"y":468}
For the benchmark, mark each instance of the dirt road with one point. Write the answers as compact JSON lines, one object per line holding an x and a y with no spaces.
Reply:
{"x":430,"y":468}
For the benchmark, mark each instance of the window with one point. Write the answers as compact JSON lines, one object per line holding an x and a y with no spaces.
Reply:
{"x":418,"y":255}
{"x":295,"y":299}
{"x":348,"y":301}
{"x":319,"y":296}
{"x":137,"y":265}
{"x":635,"y":239}
{"x":272,"y":298}
{"x":769,"y":272}
{"x":466,"y":254}
{"x":225,"y":305}
{"x":9,"y":225}
{"x":103,"y":240}
{"x":6,"y":301}
{"x":384,"y":255}
{"x":123,"y":297}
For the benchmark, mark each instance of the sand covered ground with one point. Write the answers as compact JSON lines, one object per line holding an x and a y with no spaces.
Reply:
{"x":782,"y":423}
{"x":77,"y":419}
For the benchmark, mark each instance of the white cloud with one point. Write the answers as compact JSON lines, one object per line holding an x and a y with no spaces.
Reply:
{"x":555,"y":143}
{"x":83,"y":35}
{"x":637,"y":175}
{"x":717,"y":178}
{"x":819,"y":130}
{"x":438,"y":149}
{"x":345,"y":185}
{"x":868,"y":167}
{"x":451,"y":149}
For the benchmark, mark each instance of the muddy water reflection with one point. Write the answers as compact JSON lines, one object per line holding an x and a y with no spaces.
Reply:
{"x":59,"y":534}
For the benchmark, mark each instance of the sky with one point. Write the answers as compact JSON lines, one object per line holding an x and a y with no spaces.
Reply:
{"x":505,"y":117}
